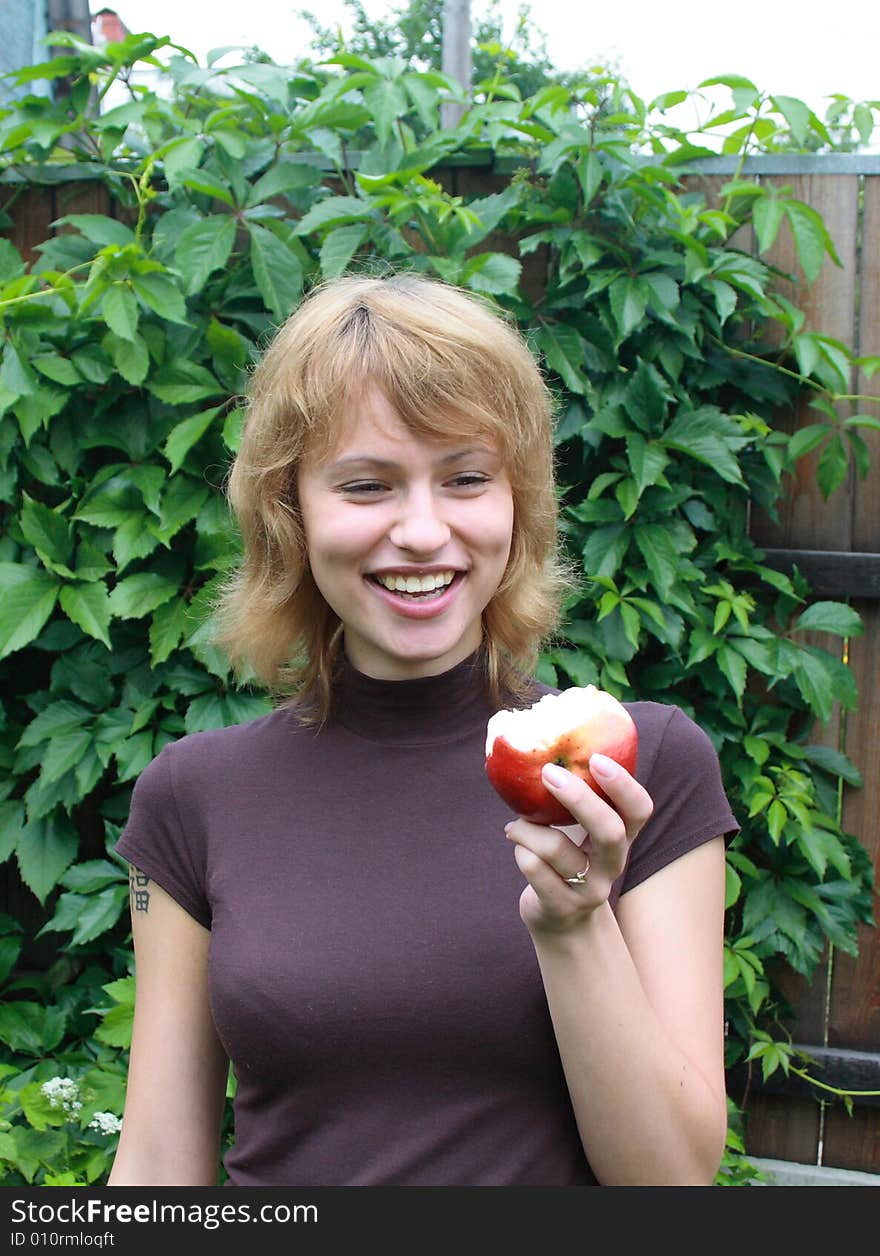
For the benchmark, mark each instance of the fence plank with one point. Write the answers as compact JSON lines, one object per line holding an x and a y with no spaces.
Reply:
{"x":784,"y":1127}
{"x":854,"y":1141}
{"x":806,"y":520}
{"x":866,"y":493}
{"x":781,"y":1127}
{"x":31,"y":209}
{"x":854,"y":1019}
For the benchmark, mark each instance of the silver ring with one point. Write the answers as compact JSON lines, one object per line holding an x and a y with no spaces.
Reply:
{"x":581,"y":877}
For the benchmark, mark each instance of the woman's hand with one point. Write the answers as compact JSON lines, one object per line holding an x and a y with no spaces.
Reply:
{"x":599,"y":841}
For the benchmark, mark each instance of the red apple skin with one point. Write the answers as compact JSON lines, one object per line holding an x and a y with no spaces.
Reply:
{"x":516,"y":774}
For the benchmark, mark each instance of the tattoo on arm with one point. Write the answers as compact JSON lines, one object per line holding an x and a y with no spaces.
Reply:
{"x":138,"y":892}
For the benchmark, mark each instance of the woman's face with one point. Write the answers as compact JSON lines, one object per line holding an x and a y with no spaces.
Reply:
{"x":407,"y":539}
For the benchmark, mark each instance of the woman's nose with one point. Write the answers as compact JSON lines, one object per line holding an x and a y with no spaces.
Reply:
{"x":419,"y":526}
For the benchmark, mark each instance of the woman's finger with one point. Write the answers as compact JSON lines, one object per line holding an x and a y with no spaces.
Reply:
{"x":551,"y":846}
{"x":631,"y":807}
{"x":553,"y":893}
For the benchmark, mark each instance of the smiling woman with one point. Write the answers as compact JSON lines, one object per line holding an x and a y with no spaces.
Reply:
{"x":415,"y":986}
{"x":412,"y":406}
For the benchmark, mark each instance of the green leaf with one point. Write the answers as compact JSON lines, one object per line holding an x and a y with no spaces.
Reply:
{"x":711,"y":438}
{"x":63,"y":753}
{"x":830,"y":760}
{"x":34,"y":410}
{"x":563,"y":350}
{"x":822,"y":847}
{"x":733,"y":887}
{"x":182,"y":500}
{"x":647,"y":460}
{"x":605,"y":549}
{"x":57,"y":717}
{"x":11,"y":826}
{"x":186,"y":434}
{"x":627,"y":495}
{"x":91,"y":363}
{"x":120,"y":309}
{"x":811,"y":238}
{"x":277,"y":271}
{"x":834,"y":617}
{"x":133,"y":754}
{"x":333,"y":211}
{"x":590,"y":174}
{"x":87,"y":916}
{"x":806,"y":438}
{"x":57,"y":368}
{"x":182,"y":154}
{"x":180,"y":383}
{"x":833,"y":466}
{"x":116,"y":1026}
{"x":733,"y":666}
{"x":130,"y":357}
{"x":30,"y":1028}
{"x":494,"y":273}
{"x":204,"y":247}
{"x":206,"y":183}
{"x":815,"y":680}
{"x":767,"y":215}
{"x":10,"y":949}
{"x":28,"y":599}
{"x":386,"y":102}
{"x":796,"y":114}
{"x":339,"y":247}
{"x":645,"y":398}
{"x":169,"y":625}
{"x":46,"y":529}
{"x":134,"y":538}
{"x":100,"y":229}
{"x":285,"y":176}
{"x":161,"y":294}
{"x":661,"y":556}
{"x":46,"y":849}
{"x":216,"y":710}
{"x":628,"y":297}
{"x":137,"y":595}
{"x":88,"y":605}
{"x":15,"y":377}
{"x":93,"y":874}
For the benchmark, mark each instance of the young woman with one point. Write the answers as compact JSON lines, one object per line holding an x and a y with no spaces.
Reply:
{"x":413,"y":986}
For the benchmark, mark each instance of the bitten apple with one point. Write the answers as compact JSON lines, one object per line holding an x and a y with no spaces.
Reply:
{"x":564,"y":728}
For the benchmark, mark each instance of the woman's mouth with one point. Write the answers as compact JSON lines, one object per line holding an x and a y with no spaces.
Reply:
{"x":418,"y":588}
{"x":417,"y":596}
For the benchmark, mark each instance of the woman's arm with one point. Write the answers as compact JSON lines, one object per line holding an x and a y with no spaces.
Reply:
{"x":636,"y":1000}
{"x":178,"y":1069}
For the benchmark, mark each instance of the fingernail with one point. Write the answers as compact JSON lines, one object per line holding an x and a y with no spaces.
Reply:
{"x":555,"y":775}
{"x":507,"y":828}
{"x":601,"y":765}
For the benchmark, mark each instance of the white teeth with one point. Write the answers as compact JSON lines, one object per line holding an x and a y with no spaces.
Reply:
{"x":417,"y":584}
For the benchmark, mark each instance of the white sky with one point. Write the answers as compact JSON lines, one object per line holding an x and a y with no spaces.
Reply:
{"x":810,"y":49}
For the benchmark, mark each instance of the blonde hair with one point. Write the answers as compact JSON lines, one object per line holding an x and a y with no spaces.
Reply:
{"x":450,"y":367}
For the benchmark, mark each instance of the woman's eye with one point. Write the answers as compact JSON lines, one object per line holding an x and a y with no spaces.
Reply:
{"x":363,"y":487}
{"x":470,"y":479}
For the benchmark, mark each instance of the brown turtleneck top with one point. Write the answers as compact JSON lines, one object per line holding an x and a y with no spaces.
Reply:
{"x":370,"y":977}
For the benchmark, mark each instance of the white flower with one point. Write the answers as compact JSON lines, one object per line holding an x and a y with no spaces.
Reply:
{"x":106,"y":1122}
{"x":62,"y":1092}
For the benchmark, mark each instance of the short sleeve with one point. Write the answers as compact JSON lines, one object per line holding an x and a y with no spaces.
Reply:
{"x":679,"y":768}
{"x":156,"y":842}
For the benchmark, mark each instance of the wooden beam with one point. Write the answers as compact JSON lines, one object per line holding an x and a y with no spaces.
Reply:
{"x":838,"y":1067}
{"x":831,"y":573}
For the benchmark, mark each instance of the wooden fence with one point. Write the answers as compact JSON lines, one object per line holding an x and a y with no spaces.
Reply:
{"x":836,"y":544}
